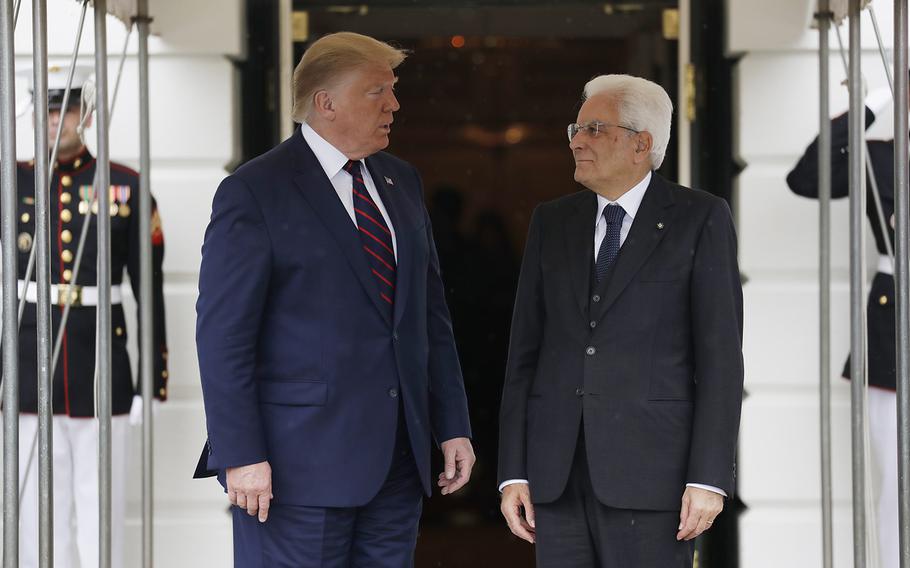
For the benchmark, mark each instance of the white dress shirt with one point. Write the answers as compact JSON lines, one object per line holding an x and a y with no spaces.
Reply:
{"x":333,"y":161}
{"x":630,"y":201}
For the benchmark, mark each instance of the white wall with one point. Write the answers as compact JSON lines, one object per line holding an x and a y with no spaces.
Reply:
{"x":776,"y":102}
{"x":193,"y":132}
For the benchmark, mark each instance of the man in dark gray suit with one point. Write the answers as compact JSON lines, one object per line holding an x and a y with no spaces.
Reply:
{"x":624,"y":381}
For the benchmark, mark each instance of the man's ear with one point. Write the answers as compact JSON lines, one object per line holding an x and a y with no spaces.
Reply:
{"x":643,"y":146}
{"x":323,"y":105}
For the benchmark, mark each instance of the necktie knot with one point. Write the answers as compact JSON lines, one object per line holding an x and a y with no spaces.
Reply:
{"x":352,"y":167}
{"x":614,"y":213}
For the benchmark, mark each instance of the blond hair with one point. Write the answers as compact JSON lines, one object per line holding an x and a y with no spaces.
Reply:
{"x":330,"y":58}
{"x":643,"y":106}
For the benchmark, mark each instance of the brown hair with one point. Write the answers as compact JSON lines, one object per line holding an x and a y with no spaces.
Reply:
{"x":330,"y":58}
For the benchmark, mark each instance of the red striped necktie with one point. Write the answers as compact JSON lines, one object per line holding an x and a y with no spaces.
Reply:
{"x":375,"y":236}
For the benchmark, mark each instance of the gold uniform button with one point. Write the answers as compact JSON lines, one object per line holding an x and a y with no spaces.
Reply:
{"x":66,"y":197}
{"x":119,"y":331}
{"x":25,"y":217}
{"x":66,"y":236}
{"x":66,"y":181}
{"x":163,"y":391}
{"x":67,"y":256}
{"x":66,"y":215}
{"x":164,"y":374}
{"x":883,"y":300}
{"x":67,"y":275}
{"x":77,"y":163}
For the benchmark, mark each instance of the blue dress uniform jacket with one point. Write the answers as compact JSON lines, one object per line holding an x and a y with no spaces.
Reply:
{"x":70,"y":197}
{"x":300,"y":363}
{"x":803,"y":180}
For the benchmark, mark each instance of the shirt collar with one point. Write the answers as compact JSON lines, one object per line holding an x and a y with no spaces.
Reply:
{"x":630,"y":201}
{"x":330,"y":158}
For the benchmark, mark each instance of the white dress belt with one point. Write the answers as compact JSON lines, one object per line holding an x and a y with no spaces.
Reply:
{"x":81,"y":295}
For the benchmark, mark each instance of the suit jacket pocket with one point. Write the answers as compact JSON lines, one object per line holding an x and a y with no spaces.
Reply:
{"x":304,"y":392}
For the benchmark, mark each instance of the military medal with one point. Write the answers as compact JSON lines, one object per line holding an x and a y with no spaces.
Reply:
{"x":25,"y":242}
{"x":124,"y":210}
{"x":119,"y":195}
{"x":86,"y":195}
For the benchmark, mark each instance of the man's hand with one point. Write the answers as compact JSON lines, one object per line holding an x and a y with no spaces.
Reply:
{"x":250,"y":487}
{"x":516,"y":497}
{"x":459,"y":458}
{"x":699,"y":508}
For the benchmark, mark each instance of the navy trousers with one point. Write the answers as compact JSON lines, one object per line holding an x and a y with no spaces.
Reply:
{"x":578,"y":531}
{"x":381,"y":534}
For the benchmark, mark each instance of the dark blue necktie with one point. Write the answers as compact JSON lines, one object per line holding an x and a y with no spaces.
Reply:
{"x":609,"y":248}
{"x":374,"y":235}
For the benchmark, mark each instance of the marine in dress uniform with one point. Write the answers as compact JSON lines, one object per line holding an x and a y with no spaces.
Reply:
{"x":803,"y":180}
{"x":72,"y":198}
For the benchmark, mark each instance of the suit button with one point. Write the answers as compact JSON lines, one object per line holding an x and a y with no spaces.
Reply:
{"x":579,"y":392}
{"x":590,"y":350}
{"x":596,"y":298}
{"x":593,"y":324}
{"x":393,"y":393}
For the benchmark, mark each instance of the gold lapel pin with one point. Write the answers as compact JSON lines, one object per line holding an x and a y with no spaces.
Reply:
{"x":660,"y":225}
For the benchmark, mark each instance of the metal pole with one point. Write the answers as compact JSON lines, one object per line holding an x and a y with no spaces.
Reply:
{"x":881,"y":47}
{"x":824,"y":277}
{"x":8,"y":226}
{"x":30,"y":266}
{"x":876,"y":196}
{"x":902,"y":277}
{"x":857,"y":275}
{"x":145,"y":288}
{"x":103,"y":363}
{"x":42,"y":243}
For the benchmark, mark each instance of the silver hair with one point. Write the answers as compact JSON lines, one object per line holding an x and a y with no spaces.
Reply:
{"x":643,"y":106}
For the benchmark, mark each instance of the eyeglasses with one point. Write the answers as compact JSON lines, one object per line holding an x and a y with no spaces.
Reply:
{"x":594,"y":128}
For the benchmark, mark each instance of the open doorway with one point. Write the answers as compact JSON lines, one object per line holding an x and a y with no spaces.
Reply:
{"x":486,"y":95}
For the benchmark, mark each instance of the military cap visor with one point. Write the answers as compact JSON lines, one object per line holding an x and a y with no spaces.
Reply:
{"x":55,"y":99}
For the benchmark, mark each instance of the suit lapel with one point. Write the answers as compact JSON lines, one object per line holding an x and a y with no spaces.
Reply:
{"x":392,"y":199}
{"x":579,"y":233}
{"x":650,"y":225}
{"x":320,"y":194}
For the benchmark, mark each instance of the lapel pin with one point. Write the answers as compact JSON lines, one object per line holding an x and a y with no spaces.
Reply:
{"x":388,"y":180}
{"x":660,"y":226}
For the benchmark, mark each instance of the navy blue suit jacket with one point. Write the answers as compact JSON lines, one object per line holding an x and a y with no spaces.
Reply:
{"x":300,"y":364}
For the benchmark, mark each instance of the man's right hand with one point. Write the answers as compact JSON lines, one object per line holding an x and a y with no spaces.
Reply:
{"x":516,"y":499}
{"x":250,"y":487}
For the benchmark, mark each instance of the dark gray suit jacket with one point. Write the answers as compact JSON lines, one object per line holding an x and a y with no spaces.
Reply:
{"x":650,"y":363}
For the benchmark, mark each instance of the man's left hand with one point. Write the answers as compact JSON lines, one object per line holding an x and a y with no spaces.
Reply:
{"x":459,"y":459}
{"x":699,"y":508}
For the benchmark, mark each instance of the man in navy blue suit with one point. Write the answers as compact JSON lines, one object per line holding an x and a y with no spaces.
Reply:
{"x":325,"y":346}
